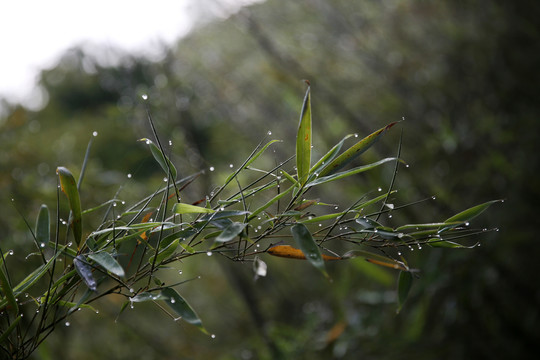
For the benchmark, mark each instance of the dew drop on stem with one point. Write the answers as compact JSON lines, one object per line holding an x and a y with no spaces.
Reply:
{"x":95,"y":133}
{"x":144,"y":96}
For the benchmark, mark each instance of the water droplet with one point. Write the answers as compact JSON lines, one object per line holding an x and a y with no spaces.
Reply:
{"x":269,"y":132}
{"x":129,"y":176}
{"x":406,"y":165}
{"x":114,"y":204}
{"x":179,"y":272}
{"x":63,"y":222}
{"x":212,"y":168}
{"x":231,"y":166}
{"x":173,"y":300}
{"x":67,"y":323}
{"x":170,"y":142}
{"x":144,"y":96}
{"x":131,"y":291}
{"x":97,"y":311}
{"x":123,"y":202}
{"x":209,"y":253}
{"x":403,"y":118}
{"x":467,"y":223}
{"x":10,"y":252}
{"x":94,"y":133}
{"x":259,"y":227}
{"x":433,"y":197}
{"x":213,"y":336}
{"x":355,"y":135}
{"x":42,"y":245}
{"x":320,"y":224}
{"x":69,"y":243}
{"x":148,"y":141}
{"x":399,"y":253}
{"x":336,"y":207}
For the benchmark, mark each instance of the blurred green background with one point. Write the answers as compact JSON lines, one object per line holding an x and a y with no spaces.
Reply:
{"x":463,"y":75}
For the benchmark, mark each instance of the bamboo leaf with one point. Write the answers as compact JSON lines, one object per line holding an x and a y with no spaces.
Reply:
{"x":230,"y":232}
{"x":404,"y":286}
{"x":9,"y":330}
{"x":181,"y":208}
{"x":161,"y":159}
{"x":108,"y":262}
{"x":182,"y":308}
{"x":69,"y":187}
{"x":341,"y":175}
{"x":43,"y":226}
{"x":467,"y":215}
{"x":147,"y":296}
{"x":377,"y":259}
{"x":303,"y":140}
{"x":7,"y":291}
{"x":328,"y":157}
{"x":269,"y":203}
{"x":305,"y":242}
{"x":165,"y":253}
{"x":85,"y":272}
{"x":287,"y":251}
{"x":354,"y":151}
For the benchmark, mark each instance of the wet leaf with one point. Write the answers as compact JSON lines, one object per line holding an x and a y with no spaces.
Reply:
{"x":108,"y":262}
{"x":69,"y":187}
{"x":43,"y":226}
{"x":305,"y":242}
{"x":165,"y":253}
{"x":85,"y":272}
{"x":468,"y":215}
{"x":303,"y":140}
{"x":327,"y":158}
{"x":354,"y":151}
{"x":377,"y":259}
{"x":7,"y":291}
{"x":182,"y":308}
{"x":269,"y":203}
{"x":147,"y":296}
{"x":404,"y":286}
{"x":181,"y":208}
{"x":290,"y":252}
{"x":230,"y":232}
{"x":336,"y":176}
{"x":161,"y":159}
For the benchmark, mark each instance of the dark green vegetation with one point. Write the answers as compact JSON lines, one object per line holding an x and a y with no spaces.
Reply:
{"x":462,"y":74}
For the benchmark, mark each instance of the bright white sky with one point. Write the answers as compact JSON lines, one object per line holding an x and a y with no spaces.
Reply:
{"x":36,"y":32}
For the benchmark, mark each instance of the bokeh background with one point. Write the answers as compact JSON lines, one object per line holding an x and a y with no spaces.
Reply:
{"x":463,"y":75}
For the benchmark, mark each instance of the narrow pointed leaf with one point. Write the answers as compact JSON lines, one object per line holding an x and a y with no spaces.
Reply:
{"x":305,"y":242}
{"x":287,"y":251}
{"x":85,"y":272}
{"x":377,"y":259}
{"x":108,"y":262}
{"x":344,"y":174}
{"x":165,"y":253}
{"x":181,"y":208}
{"x":9,"y":330}
{"x":269,"y":203}
{"x":7,"y":291}
{"x":404,"y":286}
{"x":230,"y":232}
{"x":259,"y":153}
{"x":43,"y":226}
{"x":69,"y":187}
{"x":328,"y":157}
{"x":182,"y":308}
{"x":147,"y":296}
{"x":468,"y":215}
{"x":161,"y":159}
{"x":354,"y":151}
{"x":303,"y":140}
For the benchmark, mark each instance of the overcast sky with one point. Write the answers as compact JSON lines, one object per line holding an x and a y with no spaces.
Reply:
{"x":36,"y":32}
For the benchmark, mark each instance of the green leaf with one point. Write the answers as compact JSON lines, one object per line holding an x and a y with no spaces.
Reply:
{"x":7,"y":291}
{"x":108,"y":262}
{"x":230,"y":232}
{"x":341,"y":175}
{"x":9,"y":330}
{"x":311,"y":251}
{"x":377,"y":259}
{"x":328,"y":157}
{"x":162,"y":160}
{"x":69,"y":187}
{"x":260,"y":152}
{"x":147,"y":296}
{"x":181,"y":208}
{"x":182,"y":308}
{"x":269,"y":203}
{"x":43,"y":226}
{"x":303,"y":140}
{"x":165,"y":253}
{"x":468,"y":215}
{"x":85,"y":272}
{"x":404,"y":286}
{"x":354,"y":151}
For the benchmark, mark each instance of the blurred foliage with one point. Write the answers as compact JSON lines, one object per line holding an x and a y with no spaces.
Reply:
{"x":462,"y":74}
